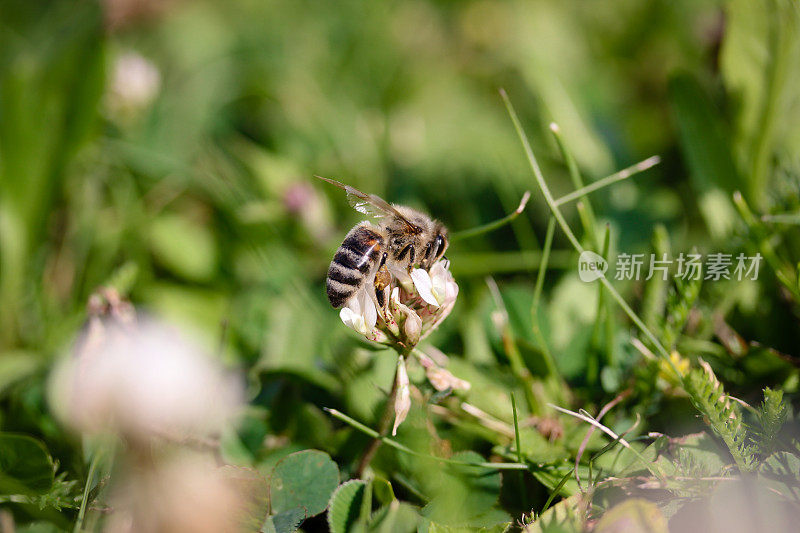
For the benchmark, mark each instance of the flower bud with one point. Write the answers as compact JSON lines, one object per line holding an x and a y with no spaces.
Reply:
{"x":442,"y":379}
{"x":402,"y":399}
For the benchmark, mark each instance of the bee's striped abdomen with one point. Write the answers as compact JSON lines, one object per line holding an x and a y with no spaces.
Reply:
{"x":351,"y":264}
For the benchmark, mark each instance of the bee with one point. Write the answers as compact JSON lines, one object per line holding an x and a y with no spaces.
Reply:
{"x":404,"y":239}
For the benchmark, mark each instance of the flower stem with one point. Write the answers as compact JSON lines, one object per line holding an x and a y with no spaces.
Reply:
{"x":383,"y":430}
{"x":86,"y":489}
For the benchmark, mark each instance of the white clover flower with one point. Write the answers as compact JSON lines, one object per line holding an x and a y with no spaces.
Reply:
{"x":142,"y":379}
{"x":417,"y":304}
{"x":135,"y":82}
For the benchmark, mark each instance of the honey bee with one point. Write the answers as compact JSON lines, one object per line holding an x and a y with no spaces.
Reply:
{"x":404,"y":239}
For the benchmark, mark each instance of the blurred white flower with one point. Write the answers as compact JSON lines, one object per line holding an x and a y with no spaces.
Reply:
{"x":142,"y":379}
{"x":135,"y":82}
{"x":402,"y":399}
{"x":183,"y":494}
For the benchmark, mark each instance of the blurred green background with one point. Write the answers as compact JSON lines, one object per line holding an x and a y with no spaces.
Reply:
{"x":168,"y":148}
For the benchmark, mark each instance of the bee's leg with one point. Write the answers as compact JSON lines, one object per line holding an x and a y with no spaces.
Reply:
{"x":411,"y":255}
{"x":426,"y":258}
{"x":382,"y":280}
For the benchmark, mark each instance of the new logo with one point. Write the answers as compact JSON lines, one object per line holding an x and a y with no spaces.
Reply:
{"x":591,"y":266}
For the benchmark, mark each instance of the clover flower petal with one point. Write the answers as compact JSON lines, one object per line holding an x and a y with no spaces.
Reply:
{"x":424,"y":285}
{"x":360,"y":313}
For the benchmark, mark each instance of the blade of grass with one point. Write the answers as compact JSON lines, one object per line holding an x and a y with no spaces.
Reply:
{"x":783,"y":271}
{"x":587,"y":213}
{"x":518,"y":367}
{"x":589,"y":419}
{"x":555,"y":492}
{"x":549,"y":360}
{"x":484,"y":263}
{"x":518,"y":445}
{"x":623,"y":174}
{"x":86,"y":490}
{"x":491,"y":226}
{"x":516,"y":429}
{"x":405,"y":449}
{"x":783,"y":218}
{"x":571,"y":236}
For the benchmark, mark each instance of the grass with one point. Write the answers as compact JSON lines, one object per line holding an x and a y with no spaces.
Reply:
{"x":193,"y":199}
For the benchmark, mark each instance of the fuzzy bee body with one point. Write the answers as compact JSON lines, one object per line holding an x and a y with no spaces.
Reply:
{"x":353,"y":263}
{"x":403,"y":239}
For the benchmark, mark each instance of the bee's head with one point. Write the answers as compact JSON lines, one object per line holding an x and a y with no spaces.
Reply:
{"x":440,"y":244}
{"x":435,"y":246}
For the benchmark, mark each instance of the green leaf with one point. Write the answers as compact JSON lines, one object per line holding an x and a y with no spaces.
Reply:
{"x":15,"y":366}
{"x":464,"y":494}
{"x":345,"y":505}
{"x":705,"y":146}
{"x":304,"y":479}
{"x":186,"y":248}
{"x":285,"y":522}
{"x":25,"y":465}
{"x":397,"y":517}
{"x":772,"y":415}
{"x":721,"y":413}
{"x":382,"y":490}
{"x":781,"y":473}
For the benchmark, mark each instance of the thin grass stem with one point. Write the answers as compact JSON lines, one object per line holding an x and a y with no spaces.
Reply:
{"x":568,"y":231}
{"x":86,"y":490}
{"x":405,"y":449}
{"x":623,"y":174}
{"x":491,"y":226}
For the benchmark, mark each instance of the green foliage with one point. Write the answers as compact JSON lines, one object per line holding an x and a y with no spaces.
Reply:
{"x":721,"y":414}
{"x":781,"y":473}
{"x":772,"y":415}
{"x":345,"y":506}
{"x":284,"y":522}
{"x":303,"y":480}
{"x":680,"y":301}
{"x":197,"y":204}
{"x":25,"y":466}
{"x":465,"y":495}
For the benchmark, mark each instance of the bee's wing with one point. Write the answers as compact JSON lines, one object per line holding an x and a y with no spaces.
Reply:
{"x":370,"y":204}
